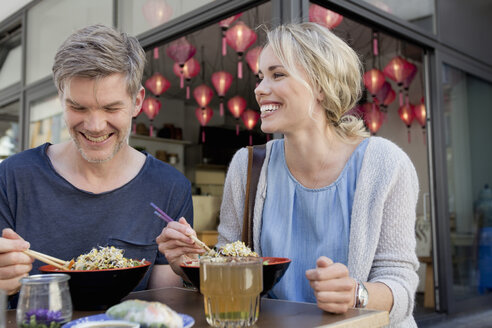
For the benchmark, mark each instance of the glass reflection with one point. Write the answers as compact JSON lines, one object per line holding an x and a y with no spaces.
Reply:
{"x":9,"y":130}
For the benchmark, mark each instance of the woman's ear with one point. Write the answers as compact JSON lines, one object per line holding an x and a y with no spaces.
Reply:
{"x":139,"y":102}
{"x":320,"y":96}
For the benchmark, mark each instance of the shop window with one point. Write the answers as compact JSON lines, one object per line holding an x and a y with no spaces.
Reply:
{"x":46,"y":122}
{"x":138,"y":16}
{"x":50,"y":22}
{"x":10,"y":60}
{"x":419,"y":12}
{"x":9,"y":130}
{"x":467,"y":132}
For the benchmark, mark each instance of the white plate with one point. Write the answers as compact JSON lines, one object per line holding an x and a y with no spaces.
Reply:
{"x":188,"y":321}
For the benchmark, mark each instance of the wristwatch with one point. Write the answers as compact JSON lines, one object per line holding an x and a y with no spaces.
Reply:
{"x":361,"y":295}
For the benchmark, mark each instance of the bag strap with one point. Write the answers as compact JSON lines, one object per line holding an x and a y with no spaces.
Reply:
{"x":256,"y":157}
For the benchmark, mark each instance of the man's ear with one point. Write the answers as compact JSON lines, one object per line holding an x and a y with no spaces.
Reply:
{"x":139,"y":101}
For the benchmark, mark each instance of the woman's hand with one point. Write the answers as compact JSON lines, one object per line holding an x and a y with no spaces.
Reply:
{"x":174,"y":243}
{"x":333,"y":287}
{"x":14,"y":264}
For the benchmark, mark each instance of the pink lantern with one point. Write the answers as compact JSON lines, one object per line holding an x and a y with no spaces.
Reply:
{"x":180,"y":51}
{"x":224,"y":25}
{"x":407,"y":116}
{"x":157,"y":12}
{"x":151,"y":108}
{"x":240,"y":37}
{"x":190,"y":69}
{"x":203,"y":95}
{"x":398,"y":69}
{"x":420,"y":114}
{"x":157,"y":84}
{"x":252,"y":57}
{"x":389,"y":98}
{"x":373,"y":80}
{"x":409,"y":79}
{"x":222,"y":82}
{"x":374,"y":118}
{"x":204,"y":115}
{"x":323,"y":16}
{"x":385,"y":96}
{"x":250,"y":117}
{"x":236,"y":106}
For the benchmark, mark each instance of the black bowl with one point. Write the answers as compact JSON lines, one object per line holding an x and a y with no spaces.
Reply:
{"x":273,"y":270}
{"x":99,"y":289}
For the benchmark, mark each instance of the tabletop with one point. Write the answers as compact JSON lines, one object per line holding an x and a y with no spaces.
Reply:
{"x":273,"y":313}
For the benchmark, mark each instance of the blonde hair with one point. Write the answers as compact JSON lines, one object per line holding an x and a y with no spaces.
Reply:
{"x":331,"y":67}
{"x":98,"y":51}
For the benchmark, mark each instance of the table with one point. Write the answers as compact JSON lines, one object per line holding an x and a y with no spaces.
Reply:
{"x":273,"y":313}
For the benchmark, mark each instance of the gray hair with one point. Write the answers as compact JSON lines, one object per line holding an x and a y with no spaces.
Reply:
{"x":331,"y":67}
{"x":98,"y":51}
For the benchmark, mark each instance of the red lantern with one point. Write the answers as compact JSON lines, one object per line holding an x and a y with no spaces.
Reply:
{"x":240,"y":37}
{"x":157,"y":12}
{"x":203,"y":94}
{"x":373,"y":80}
{"x":398,"y":69}
{"x":389,"y":98}
{"x":157,"y":84}
{"x":222,"y":81}
{"x":180,"y":51}
{"x":421,"y":116}
{"x":407,"y":116}
{"x":385,"y":96}
{"x":252,"y":57}
{"x":151,"y":108}
{"x":224,"y":25}
{"x":374,"y":118}
{"x":204,"y":115}
{"x":190,"y":69}
{"x":236,"y":106}
{"x":406,"y":83}
{"x":250,"y":117}
{"x":323,"y":16}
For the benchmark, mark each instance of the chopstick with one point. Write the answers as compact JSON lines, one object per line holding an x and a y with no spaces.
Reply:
{"x":161,"y":214}
{"x":46,"y":259}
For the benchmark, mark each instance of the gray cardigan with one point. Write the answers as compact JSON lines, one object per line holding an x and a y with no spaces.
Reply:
{"x":382,"y":229}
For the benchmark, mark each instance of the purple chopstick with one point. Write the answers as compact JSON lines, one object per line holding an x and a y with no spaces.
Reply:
{"x":160,"y":213}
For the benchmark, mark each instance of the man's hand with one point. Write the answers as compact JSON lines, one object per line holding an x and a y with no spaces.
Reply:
{"x":14,"y":264}
{"x":174,"y":243}
{"x":333,"y":287}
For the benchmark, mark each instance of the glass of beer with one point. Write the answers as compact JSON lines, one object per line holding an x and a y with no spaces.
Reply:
{"x":231,"y":288}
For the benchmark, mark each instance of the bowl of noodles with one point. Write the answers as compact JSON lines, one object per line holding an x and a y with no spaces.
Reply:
{"x":101,"y":278}
{"x":273,"y":267}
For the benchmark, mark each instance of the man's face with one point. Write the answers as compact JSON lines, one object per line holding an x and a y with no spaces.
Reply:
{"x":98,"y":115}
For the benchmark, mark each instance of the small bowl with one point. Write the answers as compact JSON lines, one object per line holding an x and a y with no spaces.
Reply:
{"x":99,"y":289}
{"x":273,"y":270}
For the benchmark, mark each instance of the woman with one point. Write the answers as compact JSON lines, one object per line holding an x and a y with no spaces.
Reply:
{"x":339,"y":204}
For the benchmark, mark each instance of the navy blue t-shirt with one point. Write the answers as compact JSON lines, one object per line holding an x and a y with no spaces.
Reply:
{"x":61,"y":220}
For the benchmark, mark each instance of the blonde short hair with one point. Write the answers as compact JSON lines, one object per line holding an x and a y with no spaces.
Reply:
{"x":331,"y":67}
{"x":97,"y":51}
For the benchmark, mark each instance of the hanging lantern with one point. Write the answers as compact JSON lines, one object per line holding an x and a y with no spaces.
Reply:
{"x":373,"y":80}
{"x":420,"y":114}
{"x":224,"y":25}
{"x":250,"y":117}
{"x":398,"y":69}
{"x":236,"y":106}
{"x":157,"y":84}
{"x":385,"y":96}
{"x":203,"y":95}
{"x":222,"y":81}
{"x":151,"y":108}
{"x":389,"y":98}
{"x":373,"y":118}
{"x":240,"y":37}
{"x":323,"y":16}
{"x":190,"y":69}
{"x":407,"y":116}
{"x":180,"y":51}
{"x":204,"y":115}
{"x":157,"y":12}
{"x":406,"y":83}
{"x":252,"y":57}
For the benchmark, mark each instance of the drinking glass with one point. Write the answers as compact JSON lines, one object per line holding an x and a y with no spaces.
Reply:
{"x":3,"y":308}
{"x":231,"y":288}
{"x":44,"y":300}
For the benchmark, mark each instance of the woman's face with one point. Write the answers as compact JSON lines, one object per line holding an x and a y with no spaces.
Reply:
{"x":284,"y":101}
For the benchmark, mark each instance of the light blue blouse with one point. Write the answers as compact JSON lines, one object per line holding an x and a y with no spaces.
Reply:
{"x":303,"y":224}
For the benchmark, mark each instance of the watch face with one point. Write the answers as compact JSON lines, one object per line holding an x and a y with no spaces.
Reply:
{"x":362,"y":296}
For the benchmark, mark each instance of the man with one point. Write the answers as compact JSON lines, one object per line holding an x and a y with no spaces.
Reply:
{"x":94,"y":190}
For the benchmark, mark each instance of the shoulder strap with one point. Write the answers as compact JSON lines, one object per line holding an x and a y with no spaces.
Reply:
{"x":256,"y":157}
